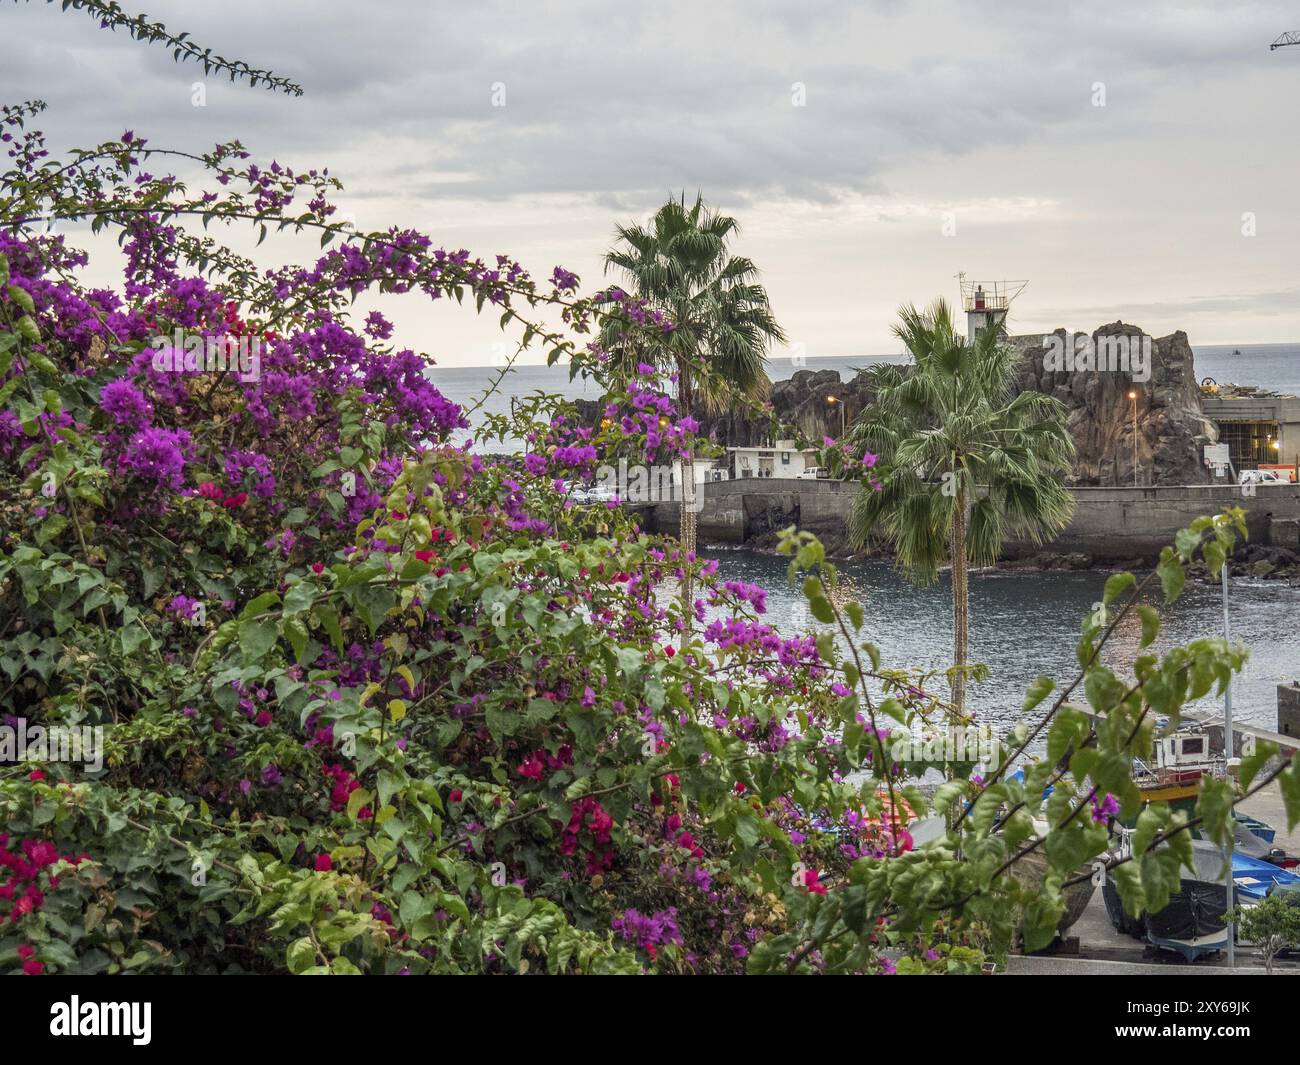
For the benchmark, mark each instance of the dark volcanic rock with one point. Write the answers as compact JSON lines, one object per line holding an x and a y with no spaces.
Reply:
{"x":800,"y":401}
{"x":1172,"y":431}
{"x":1171,"y":427}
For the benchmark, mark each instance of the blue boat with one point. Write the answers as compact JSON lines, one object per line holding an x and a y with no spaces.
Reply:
{"x":1256,"y":827}
{"x":1254,"y":878}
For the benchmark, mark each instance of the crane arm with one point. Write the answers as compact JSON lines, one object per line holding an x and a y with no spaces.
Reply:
{"x":1287,"y":38}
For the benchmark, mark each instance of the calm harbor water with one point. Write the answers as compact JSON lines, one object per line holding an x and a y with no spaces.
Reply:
{"x":1026,"y":624}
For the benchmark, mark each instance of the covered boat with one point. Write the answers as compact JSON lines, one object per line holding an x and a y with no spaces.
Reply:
{"x":1192,"y":922}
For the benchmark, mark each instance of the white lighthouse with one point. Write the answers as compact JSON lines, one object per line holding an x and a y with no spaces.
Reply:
{"x":986,"y":303}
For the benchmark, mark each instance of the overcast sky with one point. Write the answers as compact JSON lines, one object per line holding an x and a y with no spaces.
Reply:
{"x":932,"y":138}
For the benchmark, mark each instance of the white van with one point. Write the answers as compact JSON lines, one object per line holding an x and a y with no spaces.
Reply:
{"x":1261,"y":477}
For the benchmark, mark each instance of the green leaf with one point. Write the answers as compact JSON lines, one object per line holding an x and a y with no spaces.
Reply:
{"x":300,"y":956}
{"x":1172,"y":576}
{"x":299,"y":597}
{"x":1213,"y":806}
{"x":295,"y":632}
{"x":821,"y":609}
{"x":132,"y":637}
{"x":260,"y":605}
{"x":1150,"y":623}
{"x":28,"y":330}
{"x":1252,"y":763}
{"x":1116,"y":583}
{"x":359,"y":798}
{"x":257,"y":637}
{"x":23,"y":298}
{"x":1289,"y":781}
{"x":1037,"y":692}
{"x":329,"y":620}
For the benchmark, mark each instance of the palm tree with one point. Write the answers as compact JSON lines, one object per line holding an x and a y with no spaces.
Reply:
{"x":971,"y":461}
{"x":682,"y":265}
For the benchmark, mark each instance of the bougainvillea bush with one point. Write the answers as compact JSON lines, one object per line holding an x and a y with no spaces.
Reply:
{"x":372,"y":702}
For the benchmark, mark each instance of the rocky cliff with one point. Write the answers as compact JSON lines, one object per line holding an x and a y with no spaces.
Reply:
{"x":1171,"y":428}
{"x":803,"y":401}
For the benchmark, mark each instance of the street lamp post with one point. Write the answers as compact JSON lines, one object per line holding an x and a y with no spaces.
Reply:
{"x":1228,"y":746}
{"x":830,"y":402}
{"x":1134,"y":397}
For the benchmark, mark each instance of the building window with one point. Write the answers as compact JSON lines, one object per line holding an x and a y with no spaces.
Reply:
{"x":785,"y":458}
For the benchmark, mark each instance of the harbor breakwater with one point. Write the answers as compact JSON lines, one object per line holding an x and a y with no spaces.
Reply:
{"x":1108,"y":525}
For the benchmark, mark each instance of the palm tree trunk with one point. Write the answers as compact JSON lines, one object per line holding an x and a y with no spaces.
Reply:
{"x":687,"y":505}
{"x":960,"y":609}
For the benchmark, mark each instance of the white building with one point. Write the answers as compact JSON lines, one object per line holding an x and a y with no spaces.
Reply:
{"x":784,"y":459}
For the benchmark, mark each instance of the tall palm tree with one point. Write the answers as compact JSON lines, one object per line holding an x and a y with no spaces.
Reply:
{"x":681,"y":264}
{"x":971,"y":461}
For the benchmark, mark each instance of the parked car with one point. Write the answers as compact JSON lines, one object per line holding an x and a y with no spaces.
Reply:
{"x":1260,"y":477}
{"x":584,"y":495}
{"x":820,"y":473}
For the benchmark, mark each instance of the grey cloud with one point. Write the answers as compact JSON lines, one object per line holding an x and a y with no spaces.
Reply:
{"x":609,"y":99}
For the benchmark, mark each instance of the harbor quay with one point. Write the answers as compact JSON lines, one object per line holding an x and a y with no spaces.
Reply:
{"x":1108,"y":524}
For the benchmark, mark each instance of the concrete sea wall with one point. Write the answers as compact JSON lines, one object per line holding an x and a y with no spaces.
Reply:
{"x":1108,"y":523}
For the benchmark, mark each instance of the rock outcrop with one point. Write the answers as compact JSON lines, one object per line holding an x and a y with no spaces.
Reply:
{"x":803,"y":401}
{"x":1171,"y":428}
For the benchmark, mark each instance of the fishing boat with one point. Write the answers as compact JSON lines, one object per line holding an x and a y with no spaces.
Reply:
{"x":1256,"y":879}
{"x":1178,"y":763}
{"x":1257,"y":865}
{"x":1031,"y":870}
{"x":1192,"y":923}
{"x":1256,"y":827}
{"x":1181,"y":761}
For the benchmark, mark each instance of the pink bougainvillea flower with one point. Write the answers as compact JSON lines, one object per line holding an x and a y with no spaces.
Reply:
{"x":532,"y":767}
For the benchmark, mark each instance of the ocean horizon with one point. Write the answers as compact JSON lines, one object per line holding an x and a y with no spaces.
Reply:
{"x":1271,"y":366}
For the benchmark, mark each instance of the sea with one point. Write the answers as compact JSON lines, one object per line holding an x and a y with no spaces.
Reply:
{"x":1272,"y":366}
{"x":1023,"y":624}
